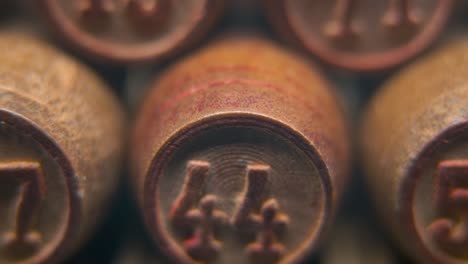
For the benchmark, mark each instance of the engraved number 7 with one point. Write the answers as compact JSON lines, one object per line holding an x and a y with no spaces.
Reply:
{"x":31,"y":194}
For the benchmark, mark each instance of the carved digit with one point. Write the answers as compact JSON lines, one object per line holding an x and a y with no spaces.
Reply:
{"x":203,"y":245}
{"x":341,"y":25}
{"x":268,"y":225}
{"x":148,"y":8}
{"x":196,"y":175}
{"x":95,"y":7}
{"x":149,"y":15}
{"x":204,"y":219}
{"x":399,"y":13}
{"x":257,"y":176}
{"x":451,"y":190}
{"x":31,"y":194}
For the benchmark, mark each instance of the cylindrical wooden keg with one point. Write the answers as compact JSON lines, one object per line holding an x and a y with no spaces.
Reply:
{"x":131,"y":31}
{"x":414,"y":141}
{"x":360,"y":35}
{"x":60,"y":149}
{"x":240,"y":153}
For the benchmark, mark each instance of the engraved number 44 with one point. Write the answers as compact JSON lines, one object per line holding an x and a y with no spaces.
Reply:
{"x":268,"y":224}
